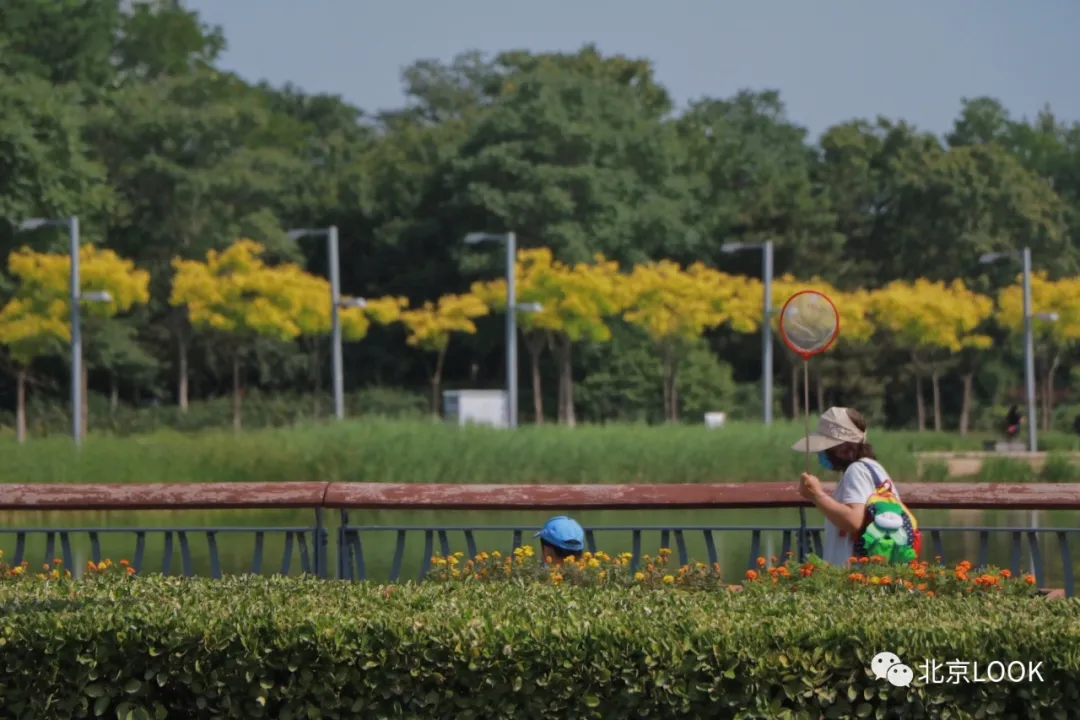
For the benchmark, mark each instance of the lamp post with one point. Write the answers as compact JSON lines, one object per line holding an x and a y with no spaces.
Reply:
{"x":1029,"y":342}
{"x":337,"y":372}
{"x":75,"y":296}
{"x":512,"y":306}
{"x":766,"y":325}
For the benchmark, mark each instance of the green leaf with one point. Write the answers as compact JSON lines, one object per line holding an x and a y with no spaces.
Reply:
{"x":94,"y":690}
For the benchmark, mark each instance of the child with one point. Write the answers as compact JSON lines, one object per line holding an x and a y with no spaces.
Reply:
{"x":560,"y":538}
{"x":840,"y":444}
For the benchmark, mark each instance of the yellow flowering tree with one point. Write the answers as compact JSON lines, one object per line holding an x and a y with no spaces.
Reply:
{"x":310,"y":298}
{"x":934,"y":321}
{"x":30,"y":330}
{"x":430,"y":326}
{"x":675,"y":307}
{"x":236,"y":296}
{"x":1053,"y":337}
{"x":536,"y":281}
{"x":38,"y":317}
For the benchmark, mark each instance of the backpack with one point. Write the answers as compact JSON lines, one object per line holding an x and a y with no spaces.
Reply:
{"x":889,"y":529}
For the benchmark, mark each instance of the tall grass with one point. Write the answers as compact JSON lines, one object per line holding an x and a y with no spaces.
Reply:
{"x":430,"y":452}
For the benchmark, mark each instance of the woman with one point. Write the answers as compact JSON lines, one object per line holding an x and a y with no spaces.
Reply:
{"x":840,"y":444}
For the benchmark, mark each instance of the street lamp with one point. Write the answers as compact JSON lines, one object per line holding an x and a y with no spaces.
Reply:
{"x":76,"y":296}
{"x":336,"y":303}
{"x":1029,"y":342}
{"x":512,"y":306}
{"x":766,"y":325}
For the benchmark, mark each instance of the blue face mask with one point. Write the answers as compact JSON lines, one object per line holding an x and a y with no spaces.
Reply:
{"x":823,"y":460}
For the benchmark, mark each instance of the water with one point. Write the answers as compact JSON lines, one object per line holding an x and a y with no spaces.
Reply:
{"x":236,"y":541}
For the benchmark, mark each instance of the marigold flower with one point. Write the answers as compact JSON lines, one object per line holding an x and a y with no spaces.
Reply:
{"x":1029,"y":579}
{"x":930,"y":593}
{"x":886,"y":580}
{"x":639,"y":576}
{"x":761,"y":562}
{"x":90,"y":566}
{"x":664,"y":551}
{"x":751,"y":575}
{"x":57,"y":561}
{"x":130,"y":570}
{"x":594,"y":563}
{"x":920,"y":587}
{"x":668,"y":579}
{"x":1005,"y":574}
{"x":853,"y":560}
{"x":875,"y":580}
{"x":877,"y":559}
{"x":773,"y":559}
{"x":863,"y":560}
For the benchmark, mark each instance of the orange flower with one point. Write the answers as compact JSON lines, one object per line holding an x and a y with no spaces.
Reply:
{"x":751,"y":575}
{"x":886,"y":580}
{"x":920,"y":573}
{"x":877,"y":559}
{"x":855,"y":577}
{"x":929,"y":593}
{"x":57,"y":561}
{"x":761,"y":562}
{"x":853,"y":560}
{"x":130,"y":570}
{"x":784,"y":571}
{"x":1005,"y":574}
{"x":864,"y":560}
{"x":920,"y":587}
{"x":1029,"y":579}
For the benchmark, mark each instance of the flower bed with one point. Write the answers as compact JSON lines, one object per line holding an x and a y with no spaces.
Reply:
{"x":814,"y":575}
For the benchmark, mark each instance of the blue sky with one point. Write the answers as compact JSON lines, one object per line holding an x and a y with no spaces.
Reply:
{"x":831,"y":60}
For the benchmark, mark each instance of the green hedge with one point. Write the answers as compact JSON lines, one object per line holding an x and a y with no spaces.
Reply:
{"x":253,"y":647}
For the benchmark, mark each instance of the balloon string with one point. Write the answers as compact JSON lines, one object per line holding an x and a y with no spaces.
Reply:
{"x":806,"y":407}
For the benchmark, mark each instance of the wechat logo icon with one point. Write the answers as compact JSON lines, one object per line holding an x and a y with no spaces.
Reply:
{"x":887,"y":666}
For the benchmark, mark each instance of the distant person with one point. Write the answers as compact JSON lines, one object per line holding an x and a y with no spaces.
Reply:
{"x":1012,"y":422}
{"x":561,"y":538}
{"x":864,"y":515}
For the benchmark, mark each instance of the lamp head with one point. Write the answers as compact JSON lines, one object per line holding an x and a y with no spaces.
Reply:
{"x":352,"y":302}
{"x":96,"y":296}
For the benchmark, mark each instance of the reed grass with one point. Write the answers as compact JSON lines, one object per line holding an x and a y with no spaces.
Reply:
{"x":435,"y":452}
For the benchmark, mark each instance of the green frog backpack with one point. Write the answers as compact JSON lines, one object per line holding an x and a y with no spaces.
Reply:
{"x":889,"y":529}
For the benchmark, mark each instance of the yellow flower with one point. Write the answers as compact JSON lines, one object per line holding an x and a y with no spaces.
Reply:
{"x":668,"y":579}
{"x":496,"y":554}
{"x":639,"y":576}
{"x":594,"y":563}
{"x":665,"y":551}
{"x":556,"y":578}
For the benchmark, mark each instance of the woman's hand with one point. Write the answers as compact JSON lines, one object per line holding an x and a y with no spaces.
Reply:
{"x":809,"y":486}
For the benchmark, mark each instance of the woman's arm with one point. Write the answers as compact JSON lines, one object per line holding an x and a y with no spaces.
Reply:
{"x":847,"y":517}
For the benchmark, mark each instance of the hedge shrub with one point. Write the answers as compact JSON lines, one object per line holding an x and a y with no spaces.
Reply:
{"x":111,"y":645}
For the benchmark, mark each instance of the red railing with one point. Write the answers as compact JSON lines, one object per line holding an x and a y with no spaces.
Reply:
{"x":408,"y":496}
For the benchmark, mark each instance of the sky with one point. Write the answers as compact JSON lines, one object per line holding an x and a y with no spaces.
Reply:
{"x":831,"y":60}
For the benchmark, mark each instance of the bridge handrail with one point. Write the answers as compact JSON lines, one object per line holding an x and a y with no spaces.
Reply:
{"x":416,"y":496}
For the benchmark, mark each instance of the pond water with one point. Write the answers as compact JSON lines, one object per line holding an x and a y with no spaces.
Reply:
{"x":236,"y":539}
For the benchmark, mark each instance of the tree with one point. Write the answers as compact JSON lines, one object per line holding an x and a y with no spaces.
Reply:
{"x":535,"y":280}
{"x":309,"y":296}
{"x":430,"y":327}
{"x":44,"y":292}
{"x":1053,"y":337}
{"x":239,"y":298}
{"x":29,"y":330}
{"x":675,"y":306}
{"x":934,"y":321}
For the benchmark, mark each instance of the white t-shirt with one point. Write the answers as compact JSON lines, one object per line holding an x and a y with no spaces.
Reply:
{"x":855,"y":486}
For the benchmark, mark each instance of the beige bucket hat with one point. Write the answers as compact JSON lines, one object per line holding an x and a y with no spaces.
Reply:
{"x":834,"y":428}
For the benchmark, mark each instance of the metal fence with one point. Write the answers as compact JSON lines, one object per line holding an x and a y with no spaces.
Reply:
{"x":347,"y":551}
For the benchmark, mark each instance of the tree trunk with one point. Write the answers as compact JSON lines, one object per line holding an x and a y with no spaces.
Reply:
{"x":671,"y":389}
{"x":436,"y":382}
{"x":535,"y":344}
{"x":316,"y":377}
{"x":114,"y":393}
{"x":965,"y":408}
{"x":566,"y":381}
{"x":20,"y":405}
{"x":182,"y":372}
{"x":1048,"y":402}
{"x":795,"y":392}
{"x":84,"y":398}
{"x":237,"y":398}
{"x":935,"y":389}
{"x":920,"y":407}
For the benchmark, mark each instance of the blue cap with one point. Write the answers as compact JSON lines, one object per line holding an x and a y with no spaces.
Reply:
{"x":562,"y":532}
